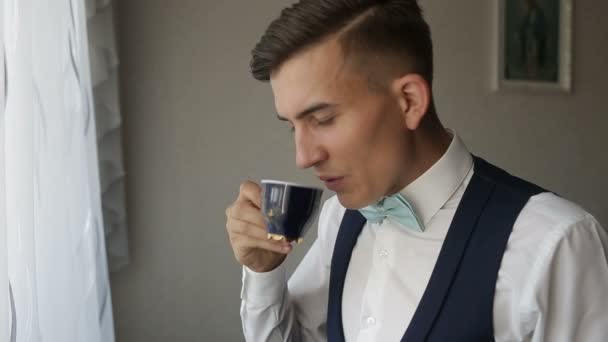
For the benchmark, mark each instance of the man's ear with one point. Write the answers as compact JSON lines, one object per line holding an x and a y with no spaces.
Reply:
{"x":414,"y":95}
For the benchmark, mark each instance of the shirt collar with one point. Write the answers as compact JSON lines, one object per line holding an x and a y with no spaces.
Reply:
{"x":429,"y":192}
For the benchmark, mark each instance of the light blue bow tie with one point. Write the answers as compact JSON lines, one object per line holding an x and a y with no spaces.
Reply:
{"x":396,"y":208}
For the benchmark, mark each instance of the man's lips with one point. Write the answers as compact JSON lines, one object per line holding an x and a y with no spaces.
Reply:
{"x":328,"y":178}
{"x":333,"y":183}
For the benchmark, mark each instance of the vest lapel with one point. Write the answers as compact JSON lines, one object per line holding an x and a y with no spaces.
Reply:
{"x":465,"y":220}
{"x":349,"y":231}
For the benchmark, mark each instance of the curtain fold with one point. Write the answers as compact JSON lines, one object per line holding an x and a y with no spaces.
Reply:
{"x":104,"y":78}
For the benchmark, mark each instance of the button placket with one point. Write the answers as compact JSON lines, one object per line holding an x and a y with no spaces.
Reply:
{"x":383,"y":253}
{"x":382,"y":243}
{"x":377,"y":280}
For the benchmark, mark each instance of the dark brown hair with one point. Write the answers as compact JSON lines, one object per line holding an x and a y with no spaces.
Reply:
{"x":393,"y":29}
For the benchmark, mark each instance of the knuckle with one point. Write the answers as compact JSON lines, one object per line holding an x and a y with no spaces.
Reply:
{"x":240,"y":227}
{"x":249,"y":189}
{"x":232,"y":226}
{"x":238,"y":207}
{"x":244,"y":186}
{"x":234,"y":210}
{"x":230,"y":211}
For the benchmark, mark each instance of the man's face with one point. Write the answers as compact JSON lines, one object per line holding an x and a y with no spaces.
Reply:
{"x":354,"y":137}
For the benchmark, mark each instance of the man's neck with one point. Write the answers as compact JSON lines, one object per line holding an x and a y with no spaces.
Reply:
{"x":428,"y":147}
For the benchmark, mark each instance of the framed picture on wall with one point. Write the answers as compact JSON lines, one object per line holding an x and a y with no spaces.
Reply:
{"x":533,"y":45}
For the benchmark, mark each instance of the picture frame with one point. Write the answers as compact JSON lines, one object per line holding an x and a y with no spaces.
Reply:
{"x":533,"y":51}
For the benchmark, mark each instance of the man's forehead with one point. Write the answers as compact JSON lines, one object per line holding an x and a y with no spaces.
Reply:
{"x":314,"y":75}
{"x":321,"y":63}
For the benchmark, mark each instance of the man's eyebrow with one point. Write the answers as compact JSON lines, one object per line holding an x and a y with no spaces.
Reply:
{"x":314,"y":108}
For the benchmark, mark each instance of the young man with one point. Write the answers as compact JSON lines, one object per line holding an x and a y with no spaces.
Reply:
{"x":423,"y":241}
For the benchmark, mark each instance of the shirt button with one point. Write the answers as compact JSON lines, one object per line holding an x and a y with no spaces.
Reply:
{"x":370,"y":320}
{"x":384,"y":253}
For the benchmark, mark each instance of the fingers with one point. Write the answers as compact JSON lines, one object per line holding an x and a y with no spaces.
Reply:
{"x":252,"y":192}
{"x":245,"y":211}
{"x":246,"y":229}
{"x":244,"y":242}
{"x":247,"y":234}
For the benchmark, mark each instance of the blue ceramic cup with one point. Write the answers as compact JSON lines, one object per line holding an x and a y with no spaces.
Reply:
{"x":289,"y":209}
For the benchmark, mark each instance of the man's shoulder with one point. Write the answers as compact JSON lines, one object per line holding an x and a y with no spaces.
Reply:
{"x":552,"y":211}
{"x":547,"y":221}
{"x":544,"y":208}
{"x":504,"y":178}
{"x":552,"y":240}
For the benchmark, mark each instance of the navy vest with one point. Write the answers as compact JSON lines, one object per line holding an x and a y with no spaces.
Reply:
{"x":457,"y":303}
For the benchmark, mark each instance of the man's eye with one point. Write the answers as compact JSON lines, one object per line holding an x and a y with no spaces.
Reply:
{"x":327,"y":121}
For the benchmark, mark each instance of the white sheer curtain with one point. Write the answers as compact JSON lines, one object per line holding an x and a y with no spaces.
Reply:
{"x":53,"y":264}
{"x":4,"y":294}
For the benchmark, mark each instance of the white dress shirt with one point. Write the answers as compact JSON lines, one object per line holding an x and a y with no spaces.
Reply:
{"x":552,"y":284}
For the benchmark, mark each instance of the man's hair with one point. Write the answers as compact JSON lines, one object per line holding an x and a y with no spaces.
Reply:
{"x":392,"y":31}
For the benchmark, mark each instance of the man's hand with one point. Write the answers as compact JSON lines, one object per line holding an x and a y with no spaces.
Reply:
{"x":247,"y":232}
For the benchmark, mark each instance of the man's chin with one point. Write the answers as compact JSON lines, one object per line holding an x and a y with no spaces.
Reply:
{"x":349,"y":201}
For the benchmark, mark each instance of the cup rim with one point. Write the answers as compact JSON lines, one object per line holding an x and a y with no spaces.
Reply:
{"x":274,"y":181}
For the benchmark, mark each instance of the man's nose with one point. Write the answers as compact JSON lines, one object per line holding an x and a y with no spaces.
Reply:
{"x":308,"y":152}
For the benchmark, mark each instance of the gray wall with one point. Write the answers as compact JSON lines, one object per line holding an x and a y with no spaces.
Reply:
{"x":196,"y":125}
